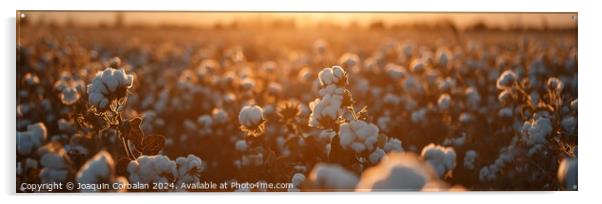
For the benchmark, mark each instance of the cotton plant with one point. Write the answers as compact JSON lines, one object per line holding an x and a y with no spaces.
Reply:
{"x":107,"y":98}
{"x":442,"y":159}
{"x":355,"y":138}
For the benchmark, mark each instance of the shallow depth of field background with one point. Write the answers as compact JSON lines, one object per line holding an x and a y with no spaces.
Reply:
{"x":271,"y":60}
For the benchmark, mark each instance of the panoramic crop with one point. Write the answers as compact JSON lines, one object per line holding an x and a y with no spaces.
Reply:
{"x":286,"y":102}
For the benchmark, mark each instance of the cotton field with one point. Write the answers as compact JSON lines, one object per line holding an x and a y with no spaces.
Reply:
{"x":126,"y":109}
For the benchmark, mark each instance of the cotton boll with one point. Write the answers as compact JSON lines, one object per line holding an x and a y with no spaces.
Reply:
{"x":376,"y":156}
{"x":473,"y":98}
{"x":252,"y":160}
{"x":325,"y":109}
{"x":417,"y":66}
{"x":391,"y":99}
{"x":446,"y":84}
{"x":50,"y":175}
{"x":487,"y":174}
{"x":247,"y":84}
{"x":413,"y":85}
{"x":419,"y":116}
{"x":383,"y":123}
{"x":69,"y":95}
{"x":456,"y":142}
{"x":567,"y":173}
{"x":358,"y":135}
{"x":296,"y":180}
{"x":98,"y":169}
{"x":506,"y":112}
{"x":189,"y":169}
{"x":31,"y":79}
{"x":574,"y":105}
{"x":219,"y":116}
{"x":469,"y":159}
{"x":444,"y":102}
{"x":152,"y":169}
{"x":465,"y":118}
{"x":506,"y":79}
{"x":443,"y":56}
{"x":31,"y":139}
{"x":554,"y":84}
{"x":108,"y":85}
{"x":326,"y":77}
{"x":395,"y":72}
{"x":349,"y":60}
{"x":536,"y":131}
{"x":250,"y":116}
{"x":241,"y":145}
{"x":55,"y":163}
{"x":505,"y":97}
{"x":569,"y":124}
{"x":205,"y":121}
{"x":400,"y":172}
{"x":443,"y":159}
{"x":331,"y":177}
{"x":334,"y":75}
{"x":393,"y":145}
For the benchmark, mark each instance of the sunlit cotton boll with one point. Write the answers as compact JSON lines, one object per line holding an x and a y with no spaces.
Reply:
{"x":469,"y":159}
{"x":331,"y":177}
{"x":55,"y":161}
{"x":567,"y":173}
{"x":506,"y":79}
{"x":505,"y":97}
{"x":446,"y":84}
{"x":98,"y":169}
{"x":334,"y":75}
{"x":247,"y":84}
{"x":443,"y":56}
{"x":417,"y":66}
{"x":419,"y":116}
{"x":443,"y":159}
{"x":393,"y":145}
{"x":326,"y":108}
{"x":152,"y":169}
{"x":444,"y":102}
{"x":241,"y":145}
{"x":296,"y":180}
{"x":349,"y":60}
{"x":400,"y":172}
{"x":473,"y":98}
{"x":108,"y":85}
{"x":377,"y":155}
{"x":395,"y":72}
{"x":29,"y":140}
{"x":358,"y":135}
{"x":554,"y":84}
{"x":251,"y":116}
{"x":535,"y":131}
{"x":189,"y":169}
{"x":69,"y":95}
{"x":219,"y":115}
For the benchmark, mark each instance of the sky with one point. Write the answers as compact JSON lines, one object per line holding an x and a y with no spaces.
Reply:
{"x":462,"y":20}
